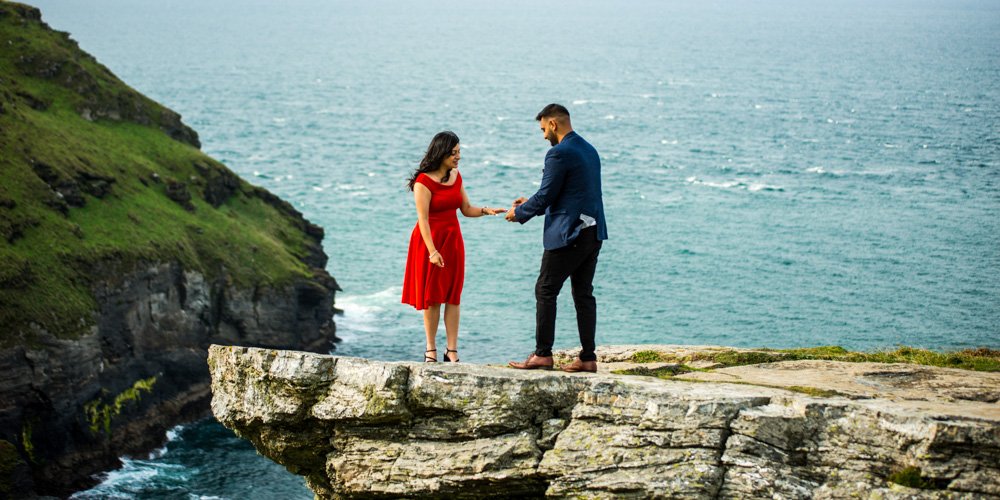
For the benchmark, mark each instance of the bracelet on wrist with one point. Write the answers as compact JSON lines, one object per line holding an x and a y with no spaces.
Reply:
{"x":431,"y":256}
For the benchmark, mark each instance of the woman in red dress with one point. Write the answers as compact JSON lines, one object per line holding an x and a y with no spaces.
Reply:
{"x":435,"y":265}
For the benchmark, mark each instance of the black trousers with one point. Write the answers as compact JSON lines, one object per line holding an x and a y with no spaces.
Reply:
{"x":576,"y":261}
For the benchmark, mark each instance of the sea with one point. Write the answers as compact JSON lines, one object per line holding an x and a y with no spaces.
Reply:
{"x":776,"y":173}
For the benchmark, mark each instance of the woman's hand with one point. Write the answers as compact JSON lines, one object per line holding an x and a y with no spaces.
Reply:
{"x":493,"y":211}
{"x":437,"y":259}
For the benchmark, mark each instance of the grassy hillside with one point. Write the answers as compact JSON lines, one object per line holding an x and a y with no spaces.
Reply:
{"x":96,"y":178}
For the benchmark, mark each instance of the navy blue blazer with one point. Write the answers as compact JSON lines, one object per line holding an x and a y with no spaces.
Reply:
{"x":571,"y":185}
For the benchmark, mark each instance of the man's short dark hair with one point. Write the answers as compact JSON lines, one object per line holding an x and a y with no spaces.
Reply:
{"x":552,"y":111}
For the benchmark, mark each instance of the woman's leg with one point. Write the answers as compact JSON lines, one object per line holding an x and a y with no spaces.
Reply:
{"x":451,"y":313}
{"x":432,"y":315}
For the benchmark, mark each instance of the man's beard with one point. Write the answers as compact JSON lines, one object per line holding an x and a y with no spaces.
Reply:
{"x":553,"y":141}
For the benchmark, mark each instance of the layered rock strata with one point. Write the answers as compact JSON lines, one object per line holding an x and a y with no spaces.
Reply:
{"x":79,"y":404}
{"x":366,"y":429}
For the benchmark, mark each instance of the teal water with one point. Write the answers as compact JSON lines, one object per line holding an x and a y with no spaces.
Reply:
{"x":776,"y":173}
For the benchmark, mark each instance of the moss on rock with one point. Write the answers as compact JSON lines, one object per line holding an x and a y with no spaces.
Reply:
{"x":10,"y":461}
{"x":980,"y":359}
{"x":99,"y":414}
{"x":912,"y":477}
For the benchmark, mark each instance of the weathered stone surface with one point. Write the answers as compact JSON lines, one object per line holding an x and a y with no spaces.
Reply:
{"x":941,"y":390}
{"x":359,"y":429}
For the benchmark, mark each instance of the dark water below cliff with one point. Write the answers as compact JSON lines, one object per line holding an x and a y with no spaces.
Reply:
{"x":776,"y":173}
{"x":201,"y":460}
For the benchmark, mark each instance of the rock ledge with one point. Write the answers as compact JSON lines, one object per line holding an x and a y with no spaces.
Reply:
{"x":360,"y":428}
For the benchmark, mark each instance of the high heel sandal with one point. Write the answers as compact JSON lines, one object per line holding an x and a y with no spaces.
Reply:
{"x":446,"y":358}
{"x":430,"y":359}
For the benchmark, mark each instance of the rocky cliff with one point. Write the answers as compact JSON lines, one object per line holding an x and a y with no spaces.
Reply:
{"x":366,"y":429}
{"x":124,"y":252}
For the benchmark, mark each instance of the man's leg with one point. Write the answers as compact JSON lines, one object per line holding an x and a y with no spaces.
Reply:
{"x":557,"y":266}
{"x":582,"y":281}
{"x":551,"y":277}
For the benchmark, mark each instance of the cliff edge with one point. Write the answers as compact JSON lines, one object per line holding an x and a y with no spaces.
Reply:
{"x":124,"y":252}
{"x":366,"y":429}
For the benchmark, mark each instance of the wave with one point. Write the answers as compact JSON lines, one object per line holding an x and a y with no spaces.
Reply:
{"x":739,"y":184}
{"x":367,"y":313}
{"x":173,"y":435}
{"x":133,"y":474}
{"x":844,"y":173}
{"x":824,"y":172}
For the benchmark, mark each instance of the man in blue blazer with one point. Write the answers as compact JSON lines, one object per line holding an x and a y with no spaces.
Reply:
{"x":570,"y":198}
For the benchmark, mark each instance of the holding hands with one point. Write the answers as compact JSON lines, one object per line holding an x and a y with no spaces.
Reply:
{"x":510,"y":213}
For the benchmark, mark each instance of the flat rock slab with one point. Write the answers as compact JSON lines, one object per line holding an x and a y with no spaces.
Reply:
{"x":944,"y":391}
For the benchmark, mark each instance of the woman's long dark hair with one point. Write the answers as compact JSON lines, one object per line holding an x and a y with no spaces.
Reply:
{"x":440,"y":148}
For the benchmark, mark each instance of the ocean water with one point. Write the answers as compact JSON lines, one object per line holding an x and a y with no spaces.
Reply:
{"x":776,"y":173}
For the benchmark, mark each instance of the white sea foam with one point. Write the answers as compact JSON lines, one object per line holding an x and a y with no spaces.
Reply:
{"x":132,"y":472}
{"x":609,"y":117}
{"x":172,"y":435}
{"x":741,"y":184}
{"x":579,"y":102}
{"x":175,"y":433}
{"x":758,"y":186}
{"x":365,"y":313}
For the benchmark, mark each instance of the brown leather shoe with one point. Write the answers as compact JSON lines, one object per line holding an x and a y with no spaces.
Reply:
{"x":533,"y":363}
{"x":579,"y":365}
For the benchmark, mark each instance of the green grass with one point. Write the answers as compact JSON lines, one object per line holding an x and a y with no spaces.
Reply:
{"x":981,"y":359}
{"x":47,"y":273}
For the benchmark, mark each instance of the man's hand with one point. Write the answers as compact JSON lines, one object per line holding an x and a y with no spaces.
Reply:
{"x":510,"y":213}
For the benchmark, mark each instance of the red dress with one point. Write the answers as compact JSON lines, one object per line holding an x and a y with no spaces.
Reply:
{"x":424,"y":283}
